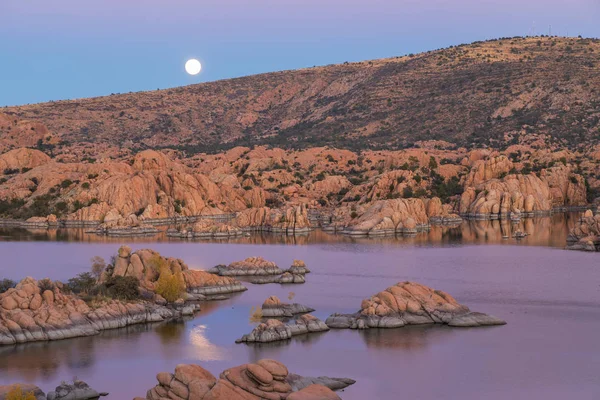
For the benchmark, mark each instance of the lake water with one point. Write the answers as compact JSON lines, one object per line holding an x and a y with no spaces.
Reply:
{"x":550,"y":298}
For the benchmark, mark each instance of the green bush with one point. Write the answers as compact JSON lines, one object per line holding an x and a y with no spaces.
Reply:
{"x":46,"y":284}
{"x":6,"y":284}
{"x":122,"y":287}
{"x":82,"y":283}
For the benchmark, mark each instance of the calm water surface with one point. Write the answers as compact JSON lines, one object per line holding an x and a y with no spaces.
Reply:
{"x":550,"y":298}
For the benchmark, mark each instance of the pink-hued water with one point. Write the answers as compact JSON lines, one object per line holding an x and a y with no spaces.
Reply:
{"x":550,"y":298}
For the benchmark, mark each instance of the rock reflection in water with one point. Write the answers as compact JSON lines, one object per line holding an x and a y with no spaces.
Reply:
{"x":406,"y":338}
{"x":549,"y":230}
{"x":24,"y":360}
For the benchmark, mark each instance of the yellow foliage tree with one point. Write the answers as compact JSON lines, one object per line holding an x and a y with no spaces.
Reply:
{"x":256,"y":314}
{"x":16,"y":393}
{"x":170,"y":285}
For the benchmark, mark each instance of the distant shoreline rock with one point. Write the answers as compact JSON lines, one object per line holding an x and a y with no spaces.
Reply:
{"x":586,"y":234}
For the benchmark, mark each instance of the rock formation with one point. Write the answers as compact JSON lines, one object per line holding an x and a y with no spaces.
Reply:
{"x":384,"y":217}
{"x":274,"y":308}
{"x":298,"y":267}
{"x":274,"y":330}
{"x":146,"y":265}
{"x":206,"y":229}
{"x":291,"y":220}
{"x":410,"y":303}
{"x":263,"y":380}
{"x":260,"y":271}
{"x":79,"y":390}
{"x":586,"y":234}
{"x":492,"y":191}
{"x":120,"y":226}
{"x":28,"y":314}
{"x":248,"y":267}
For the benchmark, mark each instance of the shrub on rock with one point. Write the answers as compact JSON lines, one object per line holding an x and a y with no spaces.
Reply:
{"x":123,"y":287}
{"x":6,"y":284}
{"x":170,"y":286}
{"x":16,"y":393}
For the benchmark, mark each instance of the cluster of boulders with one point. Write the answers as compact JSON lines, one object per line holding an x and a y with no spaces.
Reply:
{"x":289,"y":221}
{"x":146,"y":265}
{"x":206,"y":229}
{"x":586,"y":234}
{"x":274,"y":330}
{"x":78,"y":390}
{"x":258,"y":270}
{"x":116,"y":225}
{"x":28,"y":314}
{"x":494,"y":190}
{"x":409,"y":303}
{"x":265,"y":379}
{"x":388,"y":217}
{"x":274,"y":308}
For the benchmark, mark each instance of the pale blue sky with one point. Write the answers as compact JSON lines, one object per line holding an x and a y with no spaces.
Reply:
{"x":63,"y":49}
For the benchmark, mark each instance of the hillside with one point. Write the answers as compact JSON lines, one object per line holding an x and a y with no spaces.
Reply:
{"x":539,"y":91}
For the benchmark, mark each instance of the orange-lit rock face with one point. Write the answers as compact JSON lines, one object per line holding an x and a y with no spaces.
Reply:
{"x":273,"y":188}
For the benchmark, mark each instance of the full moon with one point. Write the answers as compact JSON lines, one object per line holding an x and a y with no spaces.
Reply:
{"x":193,"y":67}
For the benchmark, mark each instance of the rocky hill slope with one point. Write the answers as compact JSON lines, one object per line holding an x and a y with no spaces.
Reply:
{"x":537,"y":91}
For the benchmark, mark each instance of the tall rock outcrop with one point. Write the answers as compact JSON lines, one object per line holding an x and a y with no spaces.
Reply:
{"x":389,"y":217}
{"x":146,"y":265}
{"x":491,"y":193}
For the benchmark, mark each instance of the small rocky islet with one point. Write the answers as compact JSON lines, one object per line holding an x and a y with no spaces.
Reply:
{"x":409,"y":303}
{"x":274,"y":308}
{"x":274,"y":330}
{"x":260,"y":271}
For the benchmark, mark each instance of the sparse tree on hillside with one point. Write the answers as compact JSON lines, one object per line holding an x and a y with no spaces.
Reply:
{"x":98,"y":266}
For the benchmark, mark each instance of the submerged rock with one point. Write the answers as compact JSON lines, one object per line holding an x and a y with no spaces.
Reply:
{"x":273,"y":308}
{"x":298,"y":382}
{"x":79,"y":390}
{"x":265,"y":379}
{"x":410,"y":303}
